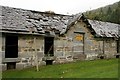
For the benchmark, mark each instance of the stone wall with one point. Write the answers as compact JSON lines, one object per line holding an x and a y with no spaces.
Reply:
{"x":2,"y":48}
{"x":70,"y":44}
{"x":92,"y":46}
{"x":110,"y":48}
{"x":77,"y":43}
{"x":30,"y":47}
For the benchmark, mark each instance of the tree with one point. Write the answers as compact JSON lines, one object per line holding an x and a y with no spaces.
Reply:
{"x":109,"y":10}
{"x":119,"y":4}
{"x":101,"y":11}
{"x":96,"y":17}
{"x":109,"y":13}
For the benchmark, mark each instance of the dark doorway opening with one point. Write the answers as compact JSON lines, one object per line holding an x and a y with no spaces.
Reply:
{"x":118,"y":46}
{"x":49,"y":49}
{"x":49,"y":46}
{"x":11,"y":65}
{"x":101,"y":57}
{"x":49,"y":62}
{"x":11,"y":49}
{"x":117,"y":56}
{"x":11,"y":46}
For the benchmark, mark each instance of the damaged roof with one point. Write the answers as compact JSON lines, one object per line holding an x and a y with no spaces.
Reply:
{"x":20,"y":20}
{"x":105,"y":29}
{"x":14,"y":19}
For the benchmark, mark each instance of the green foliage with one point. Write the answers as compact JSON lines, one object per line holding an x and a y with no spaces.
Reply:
{"x":79,"y":69}
{"x":110,"y":13}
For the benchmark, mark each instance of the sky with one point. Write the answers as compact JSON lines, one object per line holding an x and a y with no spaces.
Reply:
{"x":58,"y":6}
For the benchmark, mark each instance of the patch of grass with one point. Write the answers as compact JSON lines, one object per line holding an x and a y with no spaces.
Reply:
{"x":79,"y":69}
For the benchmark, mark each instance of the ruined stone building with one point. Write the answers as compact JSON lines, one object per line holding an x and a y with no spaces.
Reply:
{"x":51,"y":37}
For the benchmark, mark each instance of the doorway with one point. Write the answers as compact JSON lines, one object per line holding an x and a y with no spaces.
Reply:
{"x":78,"y":41}
{"x":11,"y":50}
{"x":118,"y":46}
{"x":49,"y":46}
{"x":78,"y":47}
{"x":49,"y":49}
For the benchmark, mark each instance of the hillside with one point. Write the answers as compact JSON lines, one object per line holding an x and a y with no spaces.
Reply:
{"x":110,"y":13}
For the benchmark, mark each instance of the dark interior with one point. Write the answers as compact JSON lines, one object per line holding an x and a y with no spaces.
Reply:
{"x":101,"y":57}
{"x":117,"y":56}
{"x":118,"y":46}
{"x":49,"y":46}
{"x":49,"y":62}
{"x":11,"y":46}
{"x":49,"y":49}
{"x":11,"y":65}
{"x":11,"y":49}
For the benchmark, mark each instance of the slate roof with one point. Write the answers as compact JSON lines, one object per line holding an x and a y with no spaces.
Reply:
{"x":105,"y":29}
{"x":20,"y":20}
{"x":14,"y":19}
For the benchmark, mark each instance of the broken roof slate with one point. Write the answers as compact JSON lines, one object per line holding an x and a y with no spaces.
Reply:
{"x":14,"y":19}
{"x":20,"y":19}
{"x":105,"y":28}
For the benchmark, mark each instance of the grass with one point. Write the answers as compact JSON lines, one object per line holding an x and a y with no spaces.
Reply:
{"x":79,"y":69}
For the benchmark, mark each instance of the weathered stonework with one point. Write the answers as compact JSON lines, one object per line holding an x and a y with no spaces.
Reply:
{"x":75,"y":37}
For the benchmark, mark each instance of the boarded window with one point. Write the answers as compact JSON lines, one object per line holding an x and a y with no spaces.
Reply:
{"x":78,"y":42}
{"x":78,"y":38}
